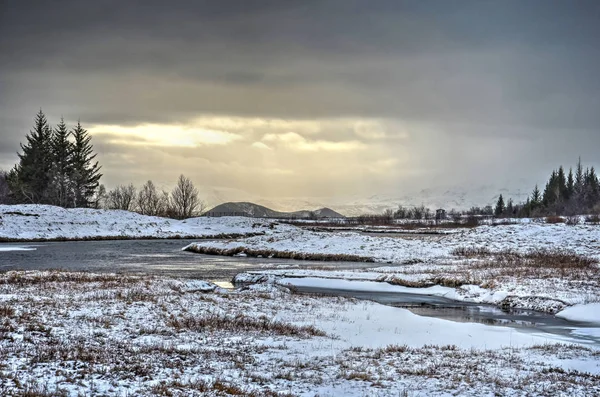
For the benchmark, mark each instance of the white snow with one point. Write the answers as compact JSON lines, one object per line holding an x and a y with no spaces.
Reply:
{"x":423,"y":260}
{"x":589,"y":313}
{"x":45,"y":222}
{"x":582,"y":239}
{"x":139,"y":333}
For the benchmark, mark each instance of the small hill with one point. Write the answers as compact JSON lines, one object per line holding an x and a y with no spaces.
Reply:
{"x":259,"y":211}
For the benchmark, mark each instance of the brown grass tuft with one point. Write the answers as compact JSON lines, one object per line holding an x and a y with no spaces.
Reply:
{"x":266,"y":253}
{"x":241,"y":322}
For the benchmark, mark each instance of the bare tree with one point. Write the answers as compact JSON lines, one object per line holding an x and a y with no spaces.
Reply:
{"x":121,"y":198}
{"x":150,"y":201}
{"x":184,"y":199}
{"x":99,"y":197}
{"x":4,"y":190}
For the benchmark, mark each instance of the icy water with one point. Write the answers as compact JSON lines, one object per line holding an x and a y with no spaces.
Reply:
{"x":439,"y":307}
{"x":164,"y":257}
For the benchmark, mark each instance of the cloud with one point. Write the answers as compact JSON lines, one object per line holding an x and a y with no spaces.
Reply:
{"x":164,"y":135}
{"x":350,"y":96}
{"x":260,"y":145}
{"x":295,"y":141}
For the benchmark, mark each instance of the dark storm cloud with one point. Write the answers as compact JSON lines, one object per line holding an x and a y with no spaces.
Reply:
{"x":521,"y":70}
{"x":382,"y":58}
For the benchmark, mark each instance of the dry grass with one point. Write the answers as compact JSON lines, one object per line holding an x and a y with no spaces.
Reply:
{"x":7,"y":310}
{"x":242,"y":323}
{"x":471,"y":252}
{"x":22,"y":279}
{"x":218,"y":387}
{"x":266,"y":253}
{"x":539,"y":258}
{"x":221,"y":236}
{"x":554,"y":219}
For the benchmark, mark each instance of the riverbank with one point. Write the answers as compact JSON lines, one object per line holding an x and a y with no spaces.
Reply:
{"x":537,"y":266}
{"x":40,"y":223}
{"x":105,"y":334}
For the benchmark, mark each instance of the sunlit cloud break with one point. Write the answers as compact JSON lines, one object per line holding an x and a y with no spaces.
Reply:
{"x":164,"y":135}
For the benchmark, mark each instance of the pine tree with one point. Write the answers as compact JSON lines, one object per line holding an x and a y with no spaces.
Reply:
{"x":591,"y":189}
{"x":579,"y":178}
{"x":509,"y":210}
{"x":30,"y":179}
{"x":570,"y":184}
{"x":62,"y":168}
{"x":536,"y":197}
{"x":499,"y":210}
{"x":561,"y":184}
{"x":86,"y":172}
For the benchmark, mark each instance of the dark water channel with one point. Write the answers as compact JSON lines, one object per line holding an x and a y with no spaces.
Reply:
{"x":165,"y":257}
{"x":439,"y":307}
{"x":157,"y":257}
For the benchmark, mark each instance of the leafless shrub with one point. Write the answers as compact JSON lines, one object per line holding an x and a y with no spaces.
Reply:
{"x":594,"y":219}
{"x":471,"y":252}
{"x":121,"y":198}
{"x":572,"y":220}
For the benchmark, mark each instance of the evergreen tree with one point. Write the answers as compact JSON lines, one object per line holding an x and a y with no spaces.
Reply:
{"x":509,"y":210}
{"x":536,"y":197}
{"x":561,"y":182}
{"x":86,"y":173}
{"x":62,"y":168}
{"x":591,"y":189}
{"x":570,"y":184}
{"x":30,"y":179}
{"x":499,"y":210}
{"x":579,"y":179}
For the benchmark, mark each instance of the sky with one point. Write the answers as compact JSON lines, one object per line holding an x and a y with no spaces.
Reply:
{"x":331,"y":99}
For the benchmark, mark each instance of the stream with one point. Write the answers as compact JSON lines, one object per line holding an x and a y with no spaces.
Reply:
{"x":165,"y":257}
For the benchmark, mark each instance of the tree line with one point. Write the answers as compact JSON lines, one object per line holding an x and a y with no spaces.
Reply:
{"x":575,"y":193}
{"x":180,"y":203}
{"x":57,"y":166}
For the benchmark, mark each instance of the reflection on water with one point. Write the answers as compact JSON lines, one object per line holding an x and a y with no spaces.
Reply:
{"x":163,"y":257}
{"x":439,"y":307}
{"x":470,"y":314}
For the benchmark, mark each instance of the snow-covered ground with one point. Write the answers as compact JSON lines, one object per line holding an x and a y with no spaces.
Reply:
{"x":527,"y":265}
{"x":86,"y":334}
{"x":45,"y":222}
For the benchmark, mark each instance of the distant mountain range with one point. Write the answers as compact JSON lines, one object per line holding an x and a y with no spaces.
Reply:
{"x":447,"y":197}
{"x":259,"y":211}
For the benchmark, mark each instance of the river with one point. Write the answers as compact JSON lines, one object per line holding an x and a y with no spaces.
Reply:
{"x":165,"y":257}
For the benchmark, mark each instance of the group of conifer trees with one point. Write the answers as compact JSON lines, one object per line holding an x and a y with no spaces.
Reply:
{"x":575,"y":193}
{"x":56,"y":167}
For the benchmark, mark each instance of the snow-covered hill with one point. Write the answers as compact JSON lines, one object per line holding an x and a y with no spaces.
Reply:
{"x":260,"y":211}
{"x":45,"y":222}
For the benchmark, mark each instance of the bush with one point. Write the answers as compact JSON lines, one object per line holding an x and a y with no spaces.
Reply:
{"x":554,"y":219}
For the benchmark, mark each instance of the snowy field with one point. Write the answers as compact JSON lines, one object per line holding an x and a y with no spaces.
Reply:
{"x":106,"y":334}
{"x":529,"y":265}
{"x":45,"y":222}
